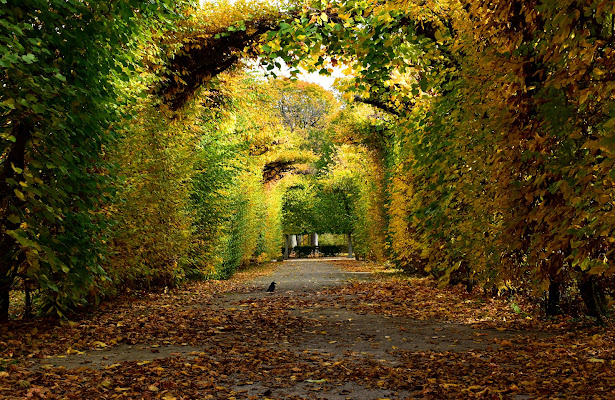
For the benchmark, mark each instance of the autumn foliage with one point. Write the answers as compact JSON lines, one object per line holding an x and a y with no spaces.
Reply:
{"x":497,"y":149}
{"x":153,"y":164}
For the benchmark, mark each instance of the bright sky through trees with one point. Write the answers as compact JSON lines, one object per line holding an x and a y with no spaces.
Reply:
{"x":311,"y":77}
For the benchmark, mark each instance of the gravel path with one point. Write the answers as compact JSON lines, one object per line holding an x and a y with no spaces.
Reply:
{"x":308,"y":275}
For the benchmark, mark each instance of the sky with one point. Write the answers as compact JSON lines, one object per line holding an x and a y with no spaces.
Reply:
{"x":313,"y":77}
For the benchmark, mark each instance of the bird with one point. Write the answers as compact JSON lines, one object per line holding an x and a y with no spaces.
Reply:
{"x":271,"y":287}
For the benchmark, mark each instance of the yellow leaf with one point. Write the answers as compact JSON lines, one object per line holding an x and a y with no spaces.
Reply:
{"x":20,"y":195}
{"x":316,"y":380}
{"x":9,"y":102}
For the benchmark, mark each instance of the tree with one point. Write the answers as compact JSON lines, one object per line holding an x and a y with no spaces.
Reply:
{"x":501,"y":110}
{"x":298,"y":215}
{"x":303,"y":106}
{"x":58,"y":103}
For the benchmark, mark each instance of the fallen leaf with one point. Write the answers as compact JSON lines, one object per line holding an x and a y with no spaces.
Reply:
{"x":316,"y":380}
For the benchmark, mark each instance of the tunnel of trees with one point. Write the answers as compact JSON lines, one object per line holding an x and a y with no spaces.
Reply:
{"x":139,"y":146}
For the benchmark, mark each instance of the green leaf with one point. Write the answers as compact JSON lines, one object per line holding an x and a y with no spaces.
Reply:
{"x":46,"y":283}
{"x":516,"y":308}
{"x":18,"y":235}
{"x":610,"y":123}
{"x":29,"y":58}
{"x":423,"y":84}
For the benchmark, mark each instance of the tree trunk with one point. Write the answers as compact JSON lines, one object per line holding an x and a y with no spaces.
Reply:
{"x":315,"y":239}
{"x":9,"y":248}
{"x":299,"y":239}
{"x":27,"y":310}
{"x":593,"y":297}
{"x":286,"y":240}
{"x":350,"y":251}
{"x":553,"y":300}
{"x":5,"y":288}
{"x":315,"y":244}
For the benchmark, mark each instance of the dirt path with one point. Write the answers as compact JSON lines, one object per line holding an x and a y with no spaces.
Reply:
{"x":304,"y":341}
{"x":348,"y":332}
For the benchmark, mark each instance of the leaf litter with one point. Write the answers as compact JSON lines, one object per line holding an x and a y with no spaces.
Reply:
{"x":200,"y":342}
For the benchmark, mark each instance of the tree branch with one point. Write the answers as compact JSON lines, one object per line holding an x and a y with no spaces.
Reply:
{"x":202,"y":58}
{"x":378,"y":104}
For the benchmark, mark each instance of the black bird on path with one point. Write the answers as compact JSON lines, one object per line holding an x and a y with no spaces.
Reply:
{"x":271,"y":287}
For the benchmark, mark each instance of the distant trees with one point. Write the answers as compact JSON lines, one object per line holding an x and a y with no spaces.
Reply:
{"x":303,"y":106}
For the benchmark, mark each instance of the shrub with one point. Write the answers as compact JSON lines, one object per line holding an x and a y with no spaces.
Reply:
{"x":304,"y":251}
{"x":331,"y":250}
